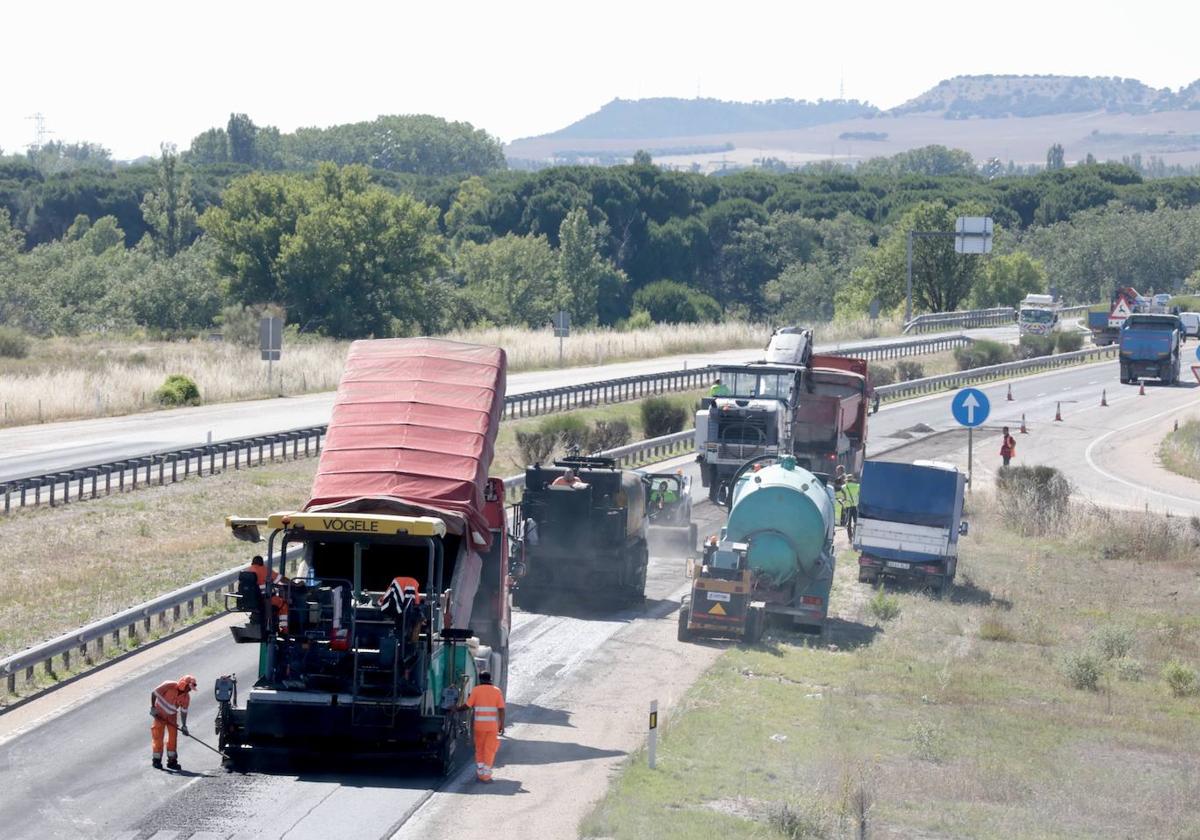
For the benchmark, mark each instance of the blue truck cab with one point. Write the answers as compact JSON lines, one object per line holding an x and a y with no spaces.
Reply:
{"x":1151,"y":346}
{"x":909,"y":522}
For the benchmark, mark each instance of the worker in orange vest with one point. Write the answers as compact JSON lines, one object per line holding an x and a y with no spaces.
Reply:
{"x":168,"y":706}
{"x":487,"y":703}
{"x":1008,"y":446}
{"x":279,"y":603}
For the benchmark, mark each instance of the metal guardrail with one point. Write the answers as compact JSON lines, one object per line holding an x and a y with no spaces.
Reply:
{"x":996,"y":317}
{"x":171,"y":466}
{"x":88,"y":642}
{"x":932,"y":384}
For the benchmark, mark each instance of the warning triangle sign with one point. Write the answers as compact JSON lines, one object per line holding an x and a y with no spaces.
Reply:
{"x":1119,"y":312}
{"x":717,"y":609}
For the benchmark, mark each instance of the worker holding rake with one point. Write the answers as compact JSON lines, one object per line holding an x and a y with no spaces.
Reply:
{"x":169,"y":708}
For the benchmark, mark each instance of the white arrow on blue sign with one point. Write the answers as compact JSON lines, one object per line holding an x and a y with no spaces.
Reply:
{"x":970,"y":407}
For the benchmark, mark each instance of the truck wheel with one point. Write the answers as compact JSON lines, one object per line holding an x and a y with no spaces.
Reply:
{"x":683,"y":634}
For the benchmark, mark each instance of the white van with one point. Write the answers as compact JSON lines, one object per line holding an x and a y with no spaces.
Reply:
{"x":1191,"y":324}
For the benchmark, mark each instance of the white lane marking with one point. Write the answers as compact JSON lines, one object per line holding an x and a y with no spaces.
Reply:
{"x":1044,"y":393}
{"x":1087,"y":454}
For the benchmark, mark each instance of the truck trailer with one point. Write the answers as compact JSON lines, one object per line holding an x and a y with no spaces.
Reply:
{"x":387,"y":592}
{"x":810,"y":406}
{"x":909,"y":522}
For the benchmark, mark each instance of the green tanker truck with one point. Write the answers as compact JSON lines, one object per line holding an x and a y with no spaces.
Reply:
{"x":774,"y":555}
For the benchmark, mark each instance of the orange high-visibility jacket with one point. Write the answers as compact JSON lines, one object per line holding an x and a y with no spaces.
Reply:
{"x":168,"y":699}
{"x":487,"y":701}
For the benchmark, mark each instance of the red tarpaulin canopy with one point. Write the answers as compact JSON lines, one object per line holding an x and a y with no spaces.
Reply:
{"x":412,"y":431}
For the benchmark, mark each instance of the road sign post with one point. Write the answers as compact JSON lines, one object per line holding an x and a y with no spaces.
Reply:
{"x":652,"y":739}
{"x":970,"y":407}
{"x":562,"y":329}
{"x":270,"y":342}
{"x":971,"y":234}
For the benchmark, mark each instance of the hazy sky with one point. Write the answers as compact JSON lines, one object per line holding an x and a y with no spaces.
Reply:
{"x":132,"y":74}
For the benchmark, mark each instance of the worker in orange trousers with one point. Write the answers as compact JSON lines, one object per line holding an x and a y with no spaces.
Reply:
{"x":169,"y":708}
{"x":487,"y":703}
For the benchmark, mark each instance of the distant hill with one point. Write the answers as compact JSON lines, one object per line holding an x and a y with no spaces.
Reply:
{"x":634,"y":119}
{"x":1037,"y":96}
{"x":1009,"y":117}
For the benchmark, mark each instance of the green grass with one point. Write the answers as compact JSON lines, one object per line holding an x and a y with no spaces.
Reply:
{"x":954,"y":719}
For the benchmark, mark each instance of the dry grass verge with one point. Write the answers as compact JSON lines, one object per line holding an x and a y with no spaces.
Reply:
{"x":960,"y":717}
{"x":94,"y":559}
{"x":63,"y":378}
{"x":1180,"y":450}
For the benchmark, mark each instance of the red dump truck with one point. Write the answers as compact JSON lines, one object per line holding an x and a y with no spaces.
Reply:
{"x":393,"y":587}
{"x":813,"y":407}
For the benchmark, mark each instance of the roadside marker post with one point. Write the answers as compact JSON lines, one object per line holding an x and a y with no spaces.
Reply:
{"x":970,"y":407}
{"x":652,"y":740}
{"x":1058,"y":412}
{"x":1010,"y":396}
{"x":1024,"y":430}
{"x":1104,"y":398}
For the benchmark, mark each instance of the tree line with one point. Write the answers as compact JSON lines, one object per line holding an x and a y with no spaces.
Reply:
{"x":352,"y":249}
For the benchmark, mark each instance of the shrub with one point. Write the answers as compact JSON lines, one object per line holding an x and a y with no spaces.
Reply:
{"x":567,"y":430}
{"x":1068,"y":342}
{"x":178,"y":390}
{"x":982,"y":353}
{"x":929,"y":741}
{"x":661,"y":416}
{"x":880,"y":375}
{"x":883,"y":606}
{"x":1129,"y":670}
{"x":535,"y":447}
{"x":1032,"y":346}
{"x":908,"y":370}
{"x":992,"y":629}
{"x":14,"y":344}
{"x":609,"y":434}
{"x":1083,"y":669}
{"x":1033,"y":499}
{"x":639,"y":320}
{"x":1180,"y":678}
{"x":1113,"y":642}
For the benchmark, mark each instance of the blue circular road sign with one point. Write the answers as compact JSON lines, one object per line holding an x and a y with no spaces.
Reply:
{"x":970,"y":407}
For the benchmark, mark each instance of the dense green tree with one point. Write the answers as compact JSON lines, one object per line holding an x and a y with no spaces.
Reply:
{"x":674,"y":303}
{"x":209,"y":147}
{"x":342,"y":256}
{"x":580,"y":267}
{"x":167,"y":210}
{"x":942,"y":279}
{"x":1006,"y":279}
{"x":511,"y":280}
{"x":241,"y":133}
{"x":466,"y":219}
{"x":927,"y":160}
{"x":1055,"y":157}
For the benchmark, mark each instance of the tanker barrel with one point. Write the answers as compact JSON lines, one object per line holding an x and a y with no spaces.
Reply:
{"x":785,"y":514}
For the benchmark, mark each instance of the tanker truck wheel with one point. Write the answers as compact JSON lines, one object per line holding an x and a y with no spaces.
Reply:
{"x":683,"y":634}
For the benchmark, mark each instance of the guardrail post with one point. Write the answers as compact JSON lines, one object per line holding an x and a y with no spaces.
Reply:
{"x":174,"y":471}
{"x":7,"y":499}
{"x":12,"y":683}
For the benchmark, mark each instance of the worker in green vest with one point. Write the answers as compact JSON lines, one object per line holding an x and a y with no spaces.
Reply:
{"x":718,"y":390}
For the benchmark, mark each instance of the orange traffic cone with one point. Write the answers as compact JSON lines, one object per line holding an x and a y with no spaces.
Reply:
{"x":1010,"y":392}
{"x":1141,"y":388}
{"x":1058,"y":413}
{"x":1104,"y":398}
{"x":1024,"y":431}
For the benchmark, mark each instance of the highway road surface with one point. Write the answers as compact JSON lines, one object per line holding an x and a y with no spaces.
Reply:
{"x":1108,"y":453}
{"x":86,"y":773}
{"x":36,"y":449}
